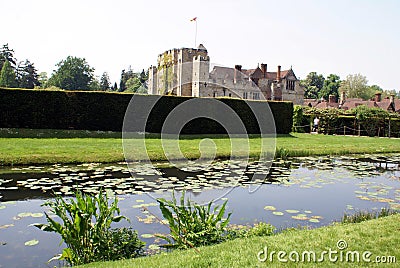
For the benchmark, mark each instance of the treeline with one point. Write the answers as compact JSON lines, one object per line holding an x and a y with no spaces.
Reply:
{"x":72,"y":73}
{"x":16,"y":74}
{"x":355,"y":85}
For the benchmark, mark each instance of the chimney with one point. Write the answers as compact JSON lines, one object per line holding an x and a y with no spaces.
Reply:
{"x":332,"y":99}
{"x":392,"y":99}
{"x":278,"y":74}
{"x":342,"y":97}
{"x":237,"y":73}
{"x":378,"y":97}
{"x":264,"y":69}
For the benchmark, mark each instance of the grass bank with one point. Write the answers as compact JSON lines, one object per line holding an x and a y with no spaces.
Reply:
{"x":49,"y":147}
{"x":379,"y":236}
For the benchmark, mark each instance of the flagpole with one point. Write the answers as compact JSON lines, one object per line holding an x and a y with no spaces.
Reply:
{"x":195,"y":35}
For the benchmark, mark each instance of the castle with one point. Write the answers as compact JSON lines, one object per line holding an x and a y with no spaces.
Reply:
{"x":186,"y":72}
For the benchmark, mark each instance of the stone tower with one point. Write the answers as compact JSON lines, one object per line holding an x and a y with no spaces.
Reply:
{"x":175,"y":70}
{"x":201,"y":70}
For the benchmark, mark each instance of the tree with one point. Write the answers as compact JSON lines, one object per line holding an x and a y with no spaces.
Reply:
{"x":105,"y":83}
{"x":7,"y":76}
{"x":313,"y":84}
{"x":72,"y":73}
{"x":122,"y":82}
{"x":43,"y":79}
{"x":125,"y":76}
{"x":27,"y":75}
{"x":356,"y":86}
{"x":95,"y":84}
{"x":115,"y":87}
{"x":330,"y":87}
{"x":7,"y":54}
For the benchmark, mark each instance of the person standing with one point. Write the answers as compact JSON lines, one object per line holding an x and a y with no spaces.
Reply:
{"x":315,"y":125}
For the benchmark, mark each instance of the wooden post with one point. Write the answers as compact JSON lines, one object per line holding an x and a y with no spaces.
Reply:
{"x":359,"y":130}
{"x":389,"y":127}
{"x":344,"y":131}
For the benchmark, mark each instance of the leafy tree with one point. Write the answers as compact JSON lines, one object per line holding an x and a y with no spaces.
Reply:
{"x":330,"y":87}
{"x":95,"y":84}
{"x":134,"y":85}
{"x":27,"y":75}
{"x":7,"y":76}
{"x":313,"y":84}
{"x":105,"y":83}
{"x":356,"y":86}
{"x":72,"y":73}
{"x":7,"y":54}
{"x":125,"y":76}
{"x":375,"y":88}
{"x":43,"y":79}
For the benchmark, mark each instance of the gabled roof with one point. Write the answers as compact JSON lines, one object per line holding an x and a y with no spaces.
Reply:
{"x":351,"y":103}
{"x":228,"y":73}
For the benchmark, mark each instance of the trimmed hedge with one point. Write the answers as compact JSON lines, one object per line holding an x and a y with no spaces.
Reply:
{"x":105,"y":111}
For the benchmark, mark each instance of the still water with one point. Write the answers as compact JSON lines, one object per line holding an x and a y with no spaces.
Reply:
{"x":312,"y":191}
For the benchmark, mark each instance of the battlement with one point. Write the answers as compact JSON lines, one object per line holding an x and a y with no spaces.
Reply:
{"x":201,"y":58}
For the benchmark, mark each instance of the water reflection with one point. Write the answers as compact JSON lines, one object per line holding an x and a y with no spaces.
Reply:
{"x":311,"y":191}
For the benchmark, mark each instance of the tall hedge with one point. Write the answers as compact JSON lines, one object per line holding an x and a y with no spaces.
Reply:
{"x":45,"y":109}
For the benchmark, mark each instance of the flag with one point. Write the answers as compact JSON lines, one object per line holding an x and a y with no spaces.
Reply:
{"x":194,"y":19}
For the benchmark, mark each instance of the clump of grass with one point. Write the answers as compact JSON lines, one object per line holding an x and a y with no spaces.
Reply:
{"x":259,"y":229}
{"x":281,"y":153}
{"x":361,"y":215}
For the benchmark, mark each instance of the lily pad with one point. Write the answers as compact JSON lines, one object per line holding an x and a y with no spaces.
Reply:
{"x":313,"y":220}
{"x":147,"y":235}
{"x":37,"y":215}
{"x":24,"y":214}
{"x":278,"y":213}
{"x":292,"y":211}
{"x":6,"y":226}
{"x":2,"y":207}
{"x":32,"y":242}
{"x":271,"y":208}
{"x":154,"y":247}
{"x":299,"y":217}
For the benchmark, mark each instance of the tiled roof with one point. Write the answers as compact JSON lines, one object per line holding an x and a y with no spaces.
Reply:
{"x":228,"y":73}
{"x":325,"y":104}
{"x":351,"y":103}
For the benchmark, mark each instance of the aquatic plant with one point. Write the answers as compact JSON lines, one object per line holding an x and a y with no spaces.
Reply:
{"x":192,"y":225}
{"x":86,"y":229}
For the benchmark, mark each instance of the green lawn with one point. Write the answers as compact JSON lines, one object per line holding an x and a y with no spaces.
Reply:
{"x":380,"y":237}
{"x":107,"y":147}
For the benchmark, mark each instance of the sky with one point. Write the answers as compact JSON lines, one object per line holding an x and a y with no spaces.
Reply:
{"x":341,"y":37}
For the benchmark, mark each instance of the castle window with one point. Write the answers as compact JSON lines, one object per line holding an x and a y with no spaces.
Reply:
{"x":214,"y":94}
{"x":244,"y":95}
{"x":256,"y":95}
{"x":290,"y":84}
